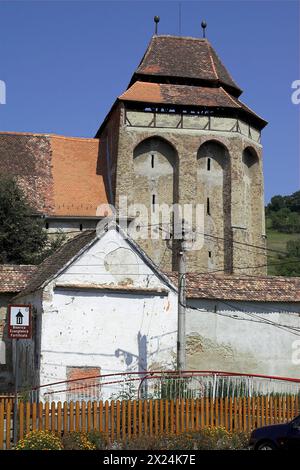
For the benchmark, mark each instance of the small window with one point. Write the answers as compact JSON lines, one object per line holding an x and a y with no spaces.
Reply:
{"x":208,"y":206}
{"x":209,"y":254}
{"x":153,"y":201}
{"x":80,"y":227}
{"x":208,"y":164}
{"x":152,"y":160}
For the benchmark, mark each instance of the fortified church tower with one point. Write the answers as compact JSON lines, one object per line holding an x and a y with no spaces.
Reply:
{"x":180,"y":134}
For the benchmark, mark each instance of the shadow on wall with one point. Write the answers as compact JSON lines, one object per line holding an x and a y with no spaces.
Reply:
{"x":142,"y":353}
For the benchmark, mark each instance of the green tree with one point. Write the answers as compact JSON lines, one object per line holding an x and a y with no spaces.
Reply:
{"x":290,"y":264}
{"x":293,"y":202}
{"x":280,"y":219}
{"x":277,"y":203}
{"x":284,"y":220}
{"x":23,"y":239}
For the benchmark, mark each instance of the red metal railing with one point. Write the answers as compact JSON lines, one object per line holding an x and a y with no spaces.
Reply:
{"x":165,"y":384}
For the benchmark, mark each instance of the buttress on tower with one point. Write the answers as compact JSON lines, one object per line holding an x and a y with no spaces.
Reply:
{"x":180,"y":135}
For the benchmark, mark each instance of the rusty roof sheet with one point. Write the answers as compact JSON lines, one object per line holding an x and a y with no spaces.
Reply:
{"x":245,"y":288}
{"x":14,"y":278}
{"x":185,"y":95}
{"x":185,"y":57}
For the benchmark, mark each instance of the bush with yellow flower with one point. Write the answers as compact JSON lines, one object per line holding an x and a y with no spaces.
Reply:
{"x":40,"y":440}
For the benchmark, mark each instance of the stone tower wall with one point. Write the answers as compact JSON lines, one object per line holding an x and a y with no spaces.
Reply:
{"x":181,"y":146}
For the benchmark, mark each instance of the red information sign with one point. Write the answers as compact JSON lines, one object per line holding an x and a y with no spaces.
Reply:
{"x":19,"y":321}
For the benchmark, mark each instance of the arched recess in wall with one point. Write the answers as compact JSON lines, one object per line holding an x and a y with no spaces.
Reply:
{"x":155,"y":165}
{"x":251,"y":181}
{"x":155,"y":170}
{"x":214,"y":192}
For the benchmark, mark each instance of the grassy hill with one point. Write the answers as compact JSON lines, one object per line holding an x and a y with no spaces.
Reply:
{"x":277,"y":241}
{"x":283,"y":226}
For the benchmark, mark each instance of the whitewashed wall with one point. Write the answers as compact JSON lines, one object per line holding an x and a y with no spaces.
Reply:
{"x":229,"y":340}
{"x":111,"y":310}
{"x":86,"y":322}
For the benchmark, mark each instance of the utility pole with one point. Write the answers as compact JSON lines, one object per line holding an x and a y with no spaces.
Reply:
{"x":181,"y":363}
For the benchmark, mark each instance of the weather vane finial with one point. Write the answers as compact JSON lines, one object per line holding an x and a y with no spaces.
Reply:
{"x":156,"y":21}
{"x":203,"y":25}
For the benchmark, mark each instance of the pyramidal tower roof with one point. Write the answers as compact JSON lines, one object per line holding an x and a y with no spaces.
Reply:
{"x":184,"y":60}
{"x":187,"y":72}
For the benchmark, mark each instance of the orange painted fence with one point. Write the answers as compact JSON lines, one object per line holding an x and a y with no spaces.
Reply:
{"x":7,"y":398}
{"x":126,"y":419}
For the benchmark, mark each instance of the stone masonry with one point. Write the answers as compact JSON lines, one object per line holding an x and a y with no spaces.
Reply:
{"x":180,"y":135}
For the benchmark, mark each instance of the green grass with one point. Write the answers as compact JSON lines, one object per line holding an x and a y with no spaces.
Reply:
{"x":277,"y":241}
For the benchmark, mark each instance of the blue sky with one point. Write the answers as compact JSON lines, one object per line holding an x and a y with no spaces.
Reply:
{"x":65,"y":62}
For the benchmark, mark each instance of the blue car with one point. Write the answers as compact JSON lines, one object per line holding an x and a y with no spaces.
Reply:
{"x":277,"y":436}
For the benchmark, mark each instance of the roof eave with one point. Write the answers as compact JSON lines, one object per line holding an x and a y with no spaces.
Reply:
{"x":171,"y":79}
{"x":106,"y":119}
{"x":257,"y":121}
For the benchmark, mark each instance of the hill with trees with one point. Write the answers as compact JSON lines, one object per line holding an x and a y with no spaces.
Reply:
{"x":283,"y":235}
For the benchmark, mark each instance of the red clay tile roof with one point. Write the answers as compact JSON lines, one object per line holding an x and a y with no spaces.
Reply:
{"x":185,"y":95}
{"x":78,"y":179}
{"x":198,"y":286}
{"x":245,"y":288}
{"x":178,"y":94}
{"x":61,"y":176}
{"x":184,"y":57}
{"x":14,"y":278}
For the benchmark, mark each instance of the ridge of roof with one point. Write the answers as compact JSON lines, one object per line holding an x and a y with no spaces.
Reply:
{"x":212,"y":61}
{"x":46,"y":134}
{"x":174,"y":36}
{"x":241,"y":276}
{"x":12,"y":267}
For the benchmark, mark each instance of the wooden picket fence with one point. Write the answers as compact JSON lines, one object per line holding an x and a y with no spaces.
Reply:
{"x":127,"y":419}
{"x":7,"y":398}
